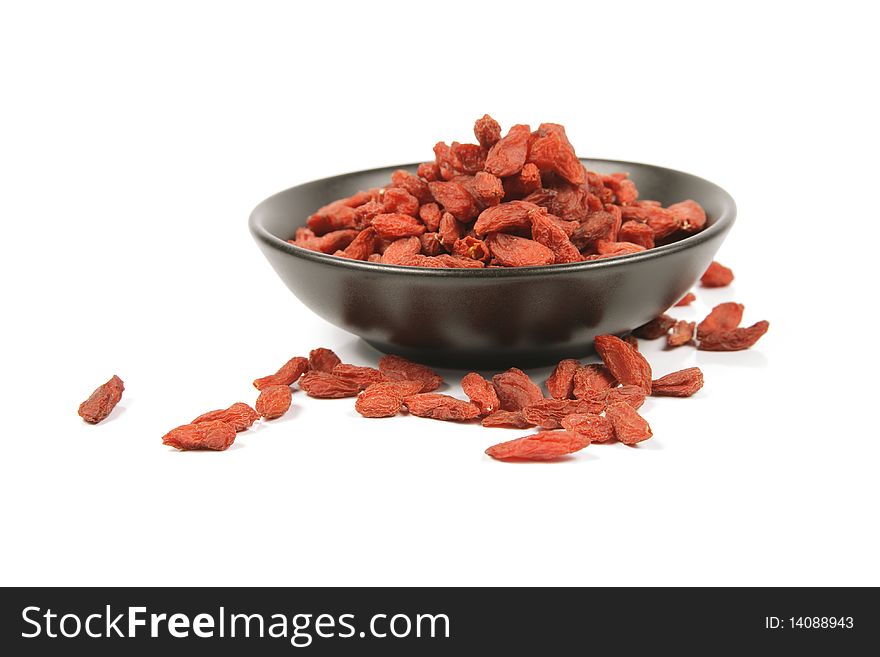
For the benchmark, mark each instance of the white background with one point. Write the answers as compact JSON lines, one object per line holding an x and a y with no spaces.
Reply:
{"x":137,"y":137}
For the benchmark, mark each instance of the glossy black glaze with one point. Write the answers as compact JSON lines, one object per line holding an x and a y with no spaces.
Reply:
{"x":491,"y":318}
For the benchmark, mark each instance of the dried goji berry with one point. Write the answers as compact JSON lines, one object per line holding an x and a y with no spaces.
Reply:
{"x":324,"y":385}
{"x":626,"y":364}
{"x":632,"y":395}
{"x":682,"y":333}
{"x":523,"y":183}
{"x":287,"y":374}
{"x":412,"y":184}
{"x":548,"y":413}
{"x":468,"y":158}
{"x":385,"y":399}
{"x":481,"y":393}
{"x":541,"y":446}
{"x":431,"y":244}
{"x":624,"y":189}
{"x":445,"y":161}
{"x":395,"y":226}
{"x":607,"y":249}
{"x":505,"y":217}
{"x":455,"y":199}
{"x":440,"y":407}
{"x":717,"y":275}
{"x":323,"y":360}
{"x":560,"y":383}
{"x":488,"y":188}
{"x":516,"y":390}
{"x":400,"y":250}
{"x":629,"y":427}
{"x":429,"y":171}
{"x":333,"y":216}
{"x":487,"y":131}
{"x":102,"y":401}
{"x":636,"y":233}
{"x":547,"y":232}
{"x":213,"y":434}
{"x":274,"y":401}
{"x":430,"y":214}
{"x":550,"y":150}
{"x":450,"y":231}
{"x":682,"y":383}
{"x":733,"y":339}
{"x":591,"y":378}
{"x":724,"y":316}
{"x":656,"y":328}
{"x":687,"y":299}
{"x":362,"y":245}
{"x":507,"y":420}
{"x":471,"y":247}
{"x":597,"y":428}
{"x":399,"y":201}
{"x":513,"y":251}
{"x":508,"y":155}
{"x":363,"y":376}
{"x":239,"y":416}
{"x":690,"y":215}
{"x":397,"y":368}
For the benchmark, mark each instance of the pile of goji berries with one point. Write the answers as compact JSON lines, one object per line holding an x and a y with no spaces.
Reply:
{"x":586,"y":403}
{"x":521,"y":200}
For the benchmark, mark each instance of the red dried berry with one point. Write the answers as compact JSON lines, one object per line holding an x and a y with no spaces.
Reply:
{"x":273,"y":401}
{"x":412,"y":184}
{"x":724,"y":316}
{"x":323,"y":360}
{"x":399,"y":201}
{"x":455,"y":199}
{"x":550,"y":150}
{"x":656,"y":328}
{"x":287,"y":374}
{"x":690,"y":215}
{"x":548,"y":413}
{"x":385,"y":399}
{"x":213,"y":434}
{"x":687,"y":299}
{"x":626,"y":364}
{"x":430,"y":214}
{"x":395,"y":226}
{"x":333,"y":216}
{"x":512,"y":251}
{"x":440,"y":407}
{"x":489,"y":189}
{"x":591,"y":378}
{"x":541,"y":446}
{"x":487,"y":131}
{"x":429,"y":171}
{"x":560,"y":384}
{"x":239,"y":416}
{"x":595,"y":427}
{"x":733,"y":339}
{"x":682,"y":383}
{"x":682,"y":333}
{"x":629,"y":427}
{"x":481,"y":393}
{"x":717,"y":275}
{"x":431,"y":243}
{"x":362,"y":245}
{"x":468,"y":158}
{"x":636,"y":233}
{"x":450,"y":230}
{"x":516,"y":390}
{"x":504,"y":218}
{"x":632,"y":395}
{"x":324,"y":385}
{"x":471,"y":247}
{"x":445,"y":161}
{"x":548,"y":232}
{"x":507,"y":420}
{"x":362,"y":376}
{"x":508,"y":155}
{"x":102,"y":401}
{"x":397,"y":368}
{"x":402,"y":249}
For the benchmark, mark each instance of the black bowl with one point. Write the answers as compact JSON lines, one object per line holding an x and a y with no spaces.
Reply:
{"x":499,"y":317}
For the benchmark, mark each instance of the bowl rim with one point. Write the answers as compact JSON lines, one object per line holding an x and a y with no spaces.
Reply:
{"x":720,"y":225}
